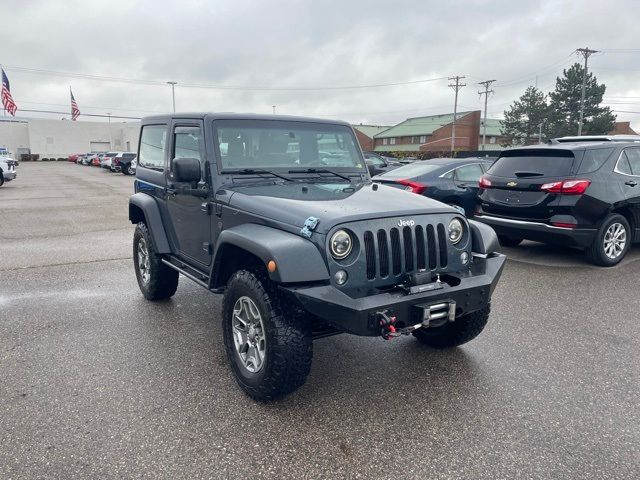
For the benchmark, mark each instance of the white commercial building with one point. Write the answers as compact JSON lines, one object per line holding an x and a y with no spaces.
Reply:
{"x":60,"y":138}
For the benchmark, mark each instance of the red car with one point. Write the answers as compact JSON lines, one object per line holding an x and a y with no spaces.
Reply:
{"x":73,"y":157}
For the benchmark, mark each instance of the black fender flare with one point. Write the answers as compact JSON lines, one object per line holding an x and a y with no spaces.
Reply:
{"x":297,"y":259}
{"x":483,"y":238}
{"x":141,"y":202}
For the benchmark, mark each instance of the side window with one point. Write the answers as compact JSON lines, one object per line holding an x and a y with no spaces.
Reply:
{"x":469,"y":173}
{"x":187,"y":142}
{"x":153,"y":141}
{"x":594,"y":159}
{"x":623,"y":165}
{"x":633,"y":155}
{"x":375,"y":160}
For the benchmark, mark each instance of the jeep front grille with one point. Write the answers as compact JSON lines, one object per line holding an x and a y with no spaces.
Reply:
{"x":398,"y":252}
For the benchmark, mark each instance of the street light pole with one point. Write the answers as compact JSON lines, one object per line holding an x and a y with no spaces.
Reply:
{"x":110,"y":139}
{"x":173,"y":94}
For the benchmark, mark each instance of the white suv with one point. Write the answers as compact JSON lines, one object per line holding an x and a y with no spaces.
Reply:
{"x":7,"y":169}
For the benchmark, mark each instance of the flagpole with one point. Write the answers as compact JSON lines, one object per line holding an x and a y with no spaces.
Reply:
{"x":4,"y":110}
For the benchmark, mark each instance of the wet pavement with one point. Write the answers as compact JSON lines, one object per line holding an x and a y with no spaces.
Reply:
{"x":98,"y":383}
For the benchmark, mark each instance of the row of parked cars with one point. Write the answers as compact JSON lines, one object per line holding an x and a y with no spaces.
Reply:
{"x":576,"y":191}
{"x":7,"y":167}
{"x":124,"y":162}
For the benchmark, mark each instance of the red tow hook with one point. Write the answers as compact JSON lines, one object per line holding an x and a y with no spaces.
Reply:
{"x":387,"y":325}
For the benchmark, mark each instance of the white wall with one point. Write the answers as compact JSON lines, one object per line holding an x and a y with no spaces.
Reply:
{"x":60,"y":138}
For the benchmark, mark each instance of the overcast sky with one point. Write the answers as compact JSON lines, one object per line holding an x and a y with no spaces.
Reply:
{"x":299,"y":44}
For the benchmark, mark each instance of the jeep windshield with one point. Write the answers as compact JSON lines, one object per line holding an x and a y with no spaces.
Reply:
{"x":287,"y":147}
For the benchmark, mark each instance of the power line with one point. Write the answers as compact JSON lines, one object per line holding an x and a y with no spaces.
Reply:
{"x":106,"y":78}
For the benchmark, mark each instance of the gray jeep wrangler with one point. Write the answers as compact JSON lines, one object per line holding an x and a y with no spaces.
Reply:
{"x":279,"y":214}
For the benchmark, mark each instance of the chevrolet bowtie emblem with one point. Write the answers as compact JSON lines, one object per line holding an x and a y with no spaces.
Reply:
{"x":512,"y":184}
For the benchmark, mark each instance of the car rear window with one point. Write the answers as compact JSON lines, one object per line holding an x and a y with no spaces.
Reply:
{"x":533,"y":163}
{"x":410,"y":171}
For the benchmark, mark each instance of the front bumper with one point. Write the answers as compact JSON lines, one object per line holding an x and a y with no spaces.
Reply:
{"x":9,"y":175}
{"x":539,"y":232}
{"x":358,"y":315}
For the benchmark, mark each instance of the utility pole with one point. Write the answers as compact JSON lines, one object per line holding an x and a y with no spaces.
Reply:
{"x":486,"y":84}
{"x":274,"y":109}
{"x":456,"y":87}
{"x":586,"y":53}
{"x":173,"y":94}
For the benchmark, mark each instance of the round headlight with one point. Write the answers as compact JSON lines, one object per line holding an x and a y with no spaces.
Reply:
{"x":456,"y":230}
{"x":340,"y":244}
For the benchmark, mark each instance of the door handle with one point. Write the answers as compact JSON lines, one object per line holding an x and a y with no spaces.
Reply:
{"x":631,"y":183}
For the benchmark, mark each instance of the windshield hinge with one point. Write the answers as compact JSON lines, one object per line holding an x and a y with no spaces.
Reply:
{"x":310,"y":225}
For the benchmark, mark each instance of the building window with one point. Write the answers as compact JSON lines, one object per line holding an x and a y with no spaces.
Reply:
{"x":492,"y":139}
{"x":423,"y":139}
{"x":392,"y":141}
{"x":384,"y":141}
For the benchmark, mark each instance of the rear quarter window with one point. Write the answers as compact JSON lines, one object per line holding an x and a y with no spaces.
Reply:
{"x":594,"y":159}
{"x":533,"y":163}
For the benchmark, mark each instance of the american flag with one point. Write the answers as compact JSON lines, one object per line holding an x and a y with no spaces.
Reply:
{"x":75,"y":111}
{"x":7,"y":100}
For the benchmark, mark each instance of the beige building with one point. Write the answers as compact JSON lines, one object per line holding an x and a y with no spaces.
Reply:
{"x":60,"y":138}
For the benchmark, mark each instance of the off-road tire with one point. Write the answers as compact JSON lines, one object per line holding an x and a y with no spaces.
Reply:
{"x":452,"y":334}
{"x":509,"y":241}
{"x":163,"y":280}
{"x":1,"y":179}
{"x":595,"y":252}
{"x":288,"y":341}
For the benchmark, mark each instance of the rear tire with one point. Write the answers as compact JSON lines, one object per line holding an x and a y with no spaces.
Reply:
{"x":273,"y":357}
{"x":156,"y":280}
{"x":452,"y":334}
{"x":611,"y":243}
{"x":509,"y":241}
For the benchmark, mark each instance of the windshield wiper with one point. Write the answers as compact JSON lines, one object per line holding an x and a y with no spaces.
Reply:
{"x":320,"y":170}
{"x":250,"y":171}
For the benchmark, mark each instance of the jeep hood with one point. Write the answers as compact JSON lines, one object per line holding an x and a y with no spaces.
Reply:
{"x":333,"y":204}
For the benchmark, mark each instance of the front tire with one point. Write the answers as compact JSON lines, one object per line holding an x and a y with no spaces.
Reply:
{"x":611,"y":243}
{"x":453,"y":334}
{"x":509,"y":241}
{"x":156,"y":280}
{"x":268,"y":346}
{"x":1,"y":180}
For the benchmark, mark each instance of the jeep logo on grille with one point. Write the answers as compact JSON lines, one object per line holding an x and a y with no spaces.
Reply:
{"x":406,"y":223}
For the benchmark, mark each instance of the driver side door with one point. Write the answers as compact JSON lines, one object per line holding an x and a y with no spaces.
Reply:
{"x":190,"y":214}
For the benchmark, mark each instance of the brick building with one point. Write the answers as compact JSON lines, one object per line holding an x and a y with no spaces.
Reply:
{"x":366,"y":133}
{"x":431,"y":133}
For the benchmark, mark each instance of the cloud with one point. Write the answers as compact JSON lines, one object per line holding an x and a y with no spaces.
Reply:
{"x":300,"y":43}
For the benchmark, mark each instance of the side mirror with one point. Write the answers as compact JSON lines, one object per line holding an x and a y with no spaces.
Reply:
{"x":186,"y":170}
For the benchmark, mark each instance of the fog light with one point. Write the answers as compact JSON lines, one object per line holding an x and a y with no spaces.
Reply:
{"x":341,"y":277}
{"x":464,"y":258}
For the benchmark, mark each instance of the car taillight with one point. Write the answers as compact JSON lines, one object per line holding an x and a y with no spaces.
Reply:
{"x":414,"y":187}
{"x":484,"y":182}
{"x":567,"y":187}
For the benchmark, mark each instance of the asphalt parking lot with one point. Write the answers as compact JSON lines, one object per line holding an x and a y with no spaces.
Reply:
{"x":98,"y":383}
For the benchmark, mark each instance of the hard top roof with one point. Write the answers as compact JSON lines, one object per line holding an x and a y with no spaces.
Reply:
{"x":236,"y":116}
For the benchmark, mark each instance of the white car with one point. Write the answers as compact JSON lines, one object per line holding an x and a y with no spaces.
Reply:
{"x":7,"y":169}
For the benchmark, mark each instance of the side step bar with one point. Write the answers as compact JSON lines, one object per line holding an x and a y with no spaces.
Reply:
{"x":197,"y":276}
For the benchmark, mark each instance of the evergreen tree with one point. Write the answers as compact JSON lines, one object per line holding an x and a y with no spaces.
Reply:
{"x":565,"y":105}
{"x":523,"y":119}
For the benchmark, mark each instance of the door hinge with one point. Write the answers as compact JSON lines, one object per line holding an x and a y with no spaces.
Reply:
{"x":218,"y":209}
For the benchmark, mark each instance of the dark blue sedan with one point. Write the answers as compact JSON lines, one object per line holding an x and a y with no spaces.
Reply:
{"x":449,"y":180}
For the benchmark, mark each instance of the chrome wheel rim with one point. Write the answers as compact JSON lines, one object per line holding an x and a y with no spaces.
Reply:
{"x":143,"y":261}
{"x":615,"y":240}
{"x":248,"y":334}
